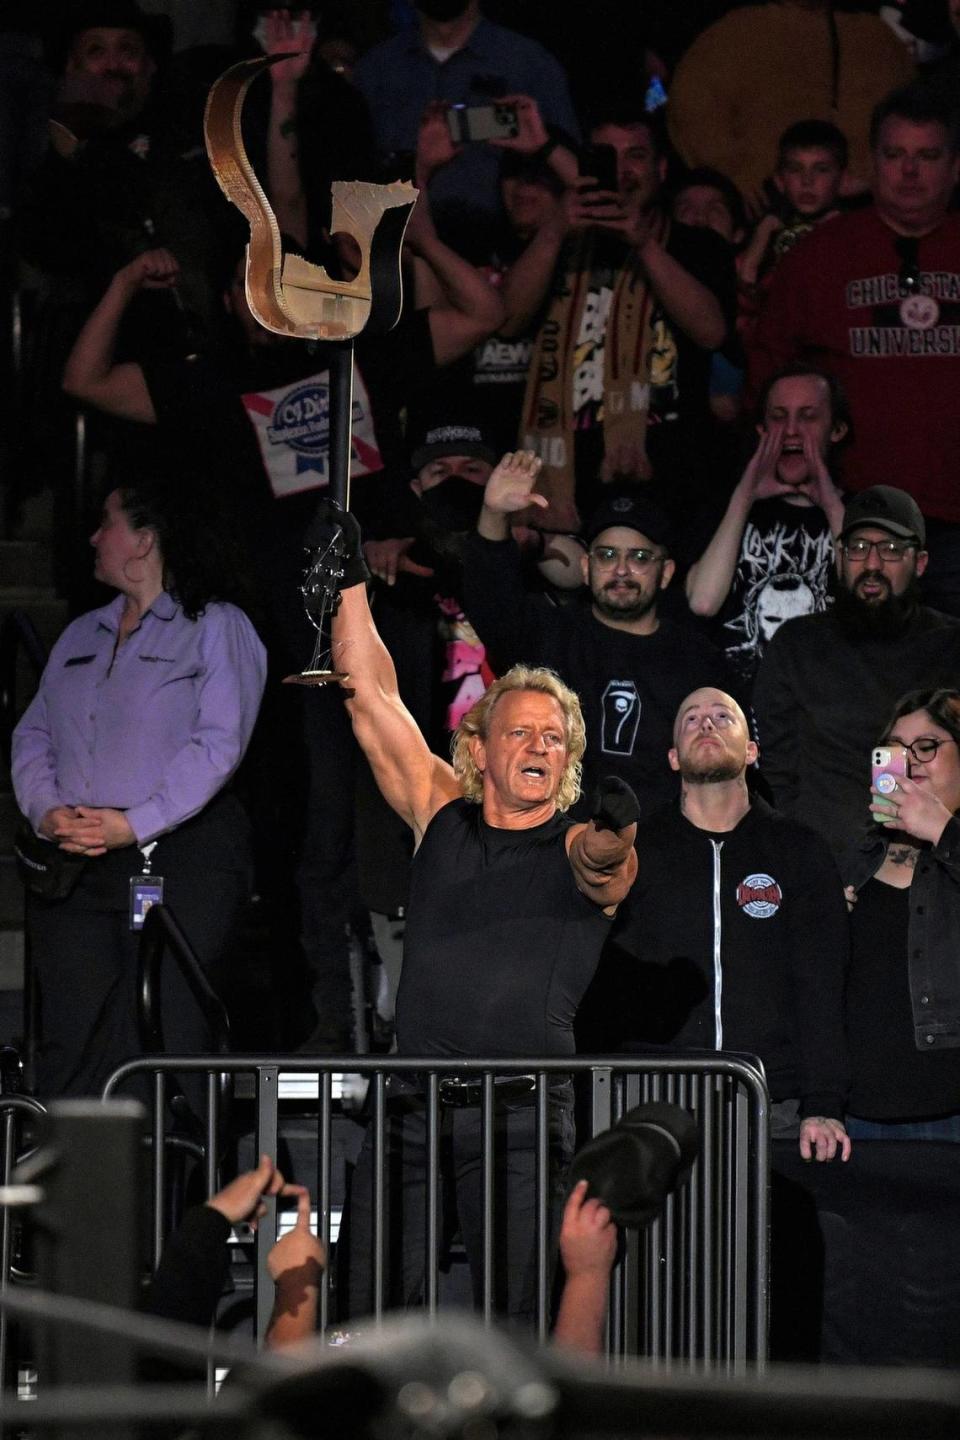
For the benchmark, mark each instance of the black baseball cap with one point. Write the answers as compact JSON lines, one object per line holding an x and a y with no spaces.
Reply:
{"x":458,"y":438}
{"x":634,"y":1166}
{"x":632,"y":507}
{"x":889,"y":509}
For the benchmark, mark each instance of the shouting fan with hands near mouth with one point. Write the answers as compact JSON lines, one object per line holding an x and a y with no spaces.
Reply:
{"x":771,"y":555}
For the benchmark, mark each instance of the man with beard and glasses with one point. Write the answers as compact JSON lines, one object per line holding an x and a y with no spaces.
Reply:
{"x":629,"y":665}
{"x":827,"y":682}
{"x":739,"y":925}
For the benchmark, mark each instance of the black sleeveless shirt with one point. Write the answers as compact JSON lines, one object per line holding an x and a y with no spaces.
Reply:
{"x":500,"y":944}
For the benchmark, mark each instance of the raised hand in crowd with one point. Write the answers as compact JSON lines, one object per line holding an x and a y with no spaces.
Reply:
{"x":389,"y":558}
{"x":510,"y":487}
{"x":436,"y":147}
{"x":605,"y":210}
{"x":153,"y":270}
{"x":292,"y":34}
{"x":243,"y":1199}
{"x":588,"y":1248}
{"x":296,"y":1264}
{"x":534,"y":140}
{"x":912,"y":808}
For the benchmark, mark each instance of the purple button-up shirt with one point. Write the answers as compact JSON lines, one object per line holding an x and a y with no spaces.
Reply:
{"x":155,"y":729}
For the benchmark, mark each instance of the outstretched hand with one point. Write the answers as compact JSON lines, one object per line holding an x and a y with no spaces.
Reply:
{"x":243,"y":1199}
{"x":510,"y":486}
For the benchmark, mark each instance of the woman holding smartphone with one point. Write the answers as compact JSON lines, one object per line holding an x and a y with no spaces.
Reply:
{"x":903,"y":989}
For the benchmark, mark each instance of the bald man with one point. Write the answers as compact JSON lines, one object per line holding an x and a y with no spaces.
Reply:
{"x":739,"y":924}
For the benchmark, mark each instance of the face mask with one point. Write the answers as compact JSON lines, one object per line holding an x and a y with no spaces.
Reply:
{"x":454,"y":504}
{"x":442,"y":9}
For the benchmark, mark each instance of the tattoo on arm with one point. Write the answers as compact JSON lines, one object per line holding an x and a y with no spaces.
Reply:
{"x":288,"y":126}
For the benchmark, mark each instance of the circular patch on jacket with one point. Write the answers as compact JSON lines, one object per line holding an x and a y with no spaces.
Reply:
{"x":760,"y":896}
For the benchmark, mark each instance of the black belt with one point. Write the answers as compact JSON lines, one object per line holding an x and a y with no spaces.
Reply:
{"x":520,"y":1089}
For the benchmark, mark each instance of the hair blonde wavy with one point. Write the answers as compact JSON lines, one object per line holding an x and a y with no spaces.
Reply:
{"x":477,"y":722}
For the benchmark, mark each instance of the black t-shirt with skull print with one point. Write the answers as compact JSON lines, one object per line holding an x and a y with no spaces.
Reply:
{"x":784,"y":569}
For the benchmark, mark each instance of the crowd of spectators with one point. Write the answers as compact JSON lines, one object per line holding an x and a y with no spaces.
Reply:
{"x":702,"y":285}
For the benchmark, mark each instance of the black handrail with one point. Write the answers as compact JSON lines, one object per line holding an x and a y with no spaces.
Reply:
{"x":162,"y":933}
{"x":16,"y":630}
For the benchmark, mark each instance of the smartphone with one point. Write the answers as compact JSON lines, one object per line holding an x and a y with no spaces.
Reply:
{"x":888,"y":765}
{"x":482,"y":122}
{"x":600,"y":162}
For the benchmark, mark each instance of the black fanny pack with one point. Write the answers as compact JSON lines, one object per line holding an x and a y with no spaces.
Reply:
{"x":45,"y":869}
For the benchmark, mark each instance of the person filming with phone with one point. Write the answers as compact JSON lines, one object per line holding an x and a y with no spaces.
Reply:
{"x":903,"y":987}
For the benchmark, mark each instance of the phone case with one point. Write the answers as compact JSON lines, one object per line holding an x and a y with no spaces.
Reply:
{"x":888,"y":765}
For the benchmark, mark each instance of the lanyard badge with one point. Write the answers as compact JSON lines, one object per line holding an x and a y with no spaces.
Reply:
{"x":146,"y":889}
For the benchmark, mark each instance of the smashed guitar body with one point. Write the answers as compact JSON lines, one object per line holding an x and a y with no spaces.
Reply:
{"x":287,"y":294}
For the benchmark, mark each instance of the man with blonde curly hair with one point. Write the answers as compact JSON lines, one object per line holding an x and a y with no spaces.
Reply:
{"x":510,"y":904}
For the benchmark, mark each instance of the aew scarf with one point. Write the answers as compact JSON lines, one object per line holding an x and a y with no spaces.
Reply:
{"x":547,"y":423}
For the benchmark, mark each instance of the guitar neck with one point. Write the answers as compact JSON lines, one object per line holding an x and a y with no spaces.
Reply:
{"x":341,"y":421}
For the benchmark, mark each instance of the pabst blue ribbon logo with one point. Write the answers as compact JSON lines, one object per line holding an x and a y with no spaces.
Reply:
{"x":760,"y":896}
{"x":302,"y":420}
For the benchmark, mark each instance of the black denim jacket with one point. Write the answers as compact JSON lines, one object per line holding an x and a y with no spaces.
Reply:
{"x":933,"y":936}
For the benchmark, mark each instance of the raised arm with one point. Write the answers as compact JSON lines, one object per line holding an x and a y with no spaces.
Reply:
{"x":293,"y":36}
{"x":462,"y":307}
{"x":708,"y":581}
{"x":412,"y":780}
{"x":90,"y":374}
{"x":588,"y":1246}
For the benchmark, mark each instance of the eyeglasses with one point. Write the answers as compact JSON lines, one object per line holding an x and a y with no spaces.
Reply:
{"x":639,"y":559}
{"x":924,"y":749}
{"x":889,"y":552}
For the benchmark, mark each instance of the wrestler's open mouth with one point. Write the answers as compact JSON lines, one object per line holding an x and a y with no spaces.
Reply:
{"x":536,"y":770}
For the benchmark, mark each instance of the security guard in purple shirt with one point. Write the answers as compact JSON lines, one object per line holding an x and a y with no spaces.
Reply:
{"x":142,"y":716}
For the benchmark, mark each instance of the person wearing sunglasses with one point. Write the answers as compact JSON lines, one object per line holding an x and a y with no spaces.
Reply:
{"x":903,"y":986}
{"x":826,"y":682}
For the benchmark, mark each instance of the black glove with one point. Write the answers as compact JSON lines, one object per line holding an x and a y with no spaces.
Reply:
{"x":614,"y":804}
{"x":327,"y":521}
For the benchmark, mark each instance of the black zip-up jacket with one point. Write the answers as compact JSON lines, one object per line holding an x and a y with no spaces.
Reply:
{"x":933,"y":934}
{"x":746,"y":932}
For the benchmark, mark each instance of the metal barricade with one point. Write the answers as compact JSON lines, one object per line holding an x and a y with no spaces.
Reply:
{"x":692,"y":1288}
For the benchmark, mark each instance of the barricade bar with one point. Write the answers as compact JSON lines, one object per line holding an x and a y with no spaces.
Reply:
{"x":693,"y":1286}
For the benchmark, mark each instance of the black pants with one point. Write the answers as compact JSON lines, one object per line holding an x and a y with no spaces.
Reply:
{"x":461,"y":1201}
{"x":85,"y":955}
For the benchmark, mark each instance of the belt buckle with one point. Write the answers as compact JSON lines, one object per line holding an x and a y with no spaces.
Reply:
{"x":457,"y":1092}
